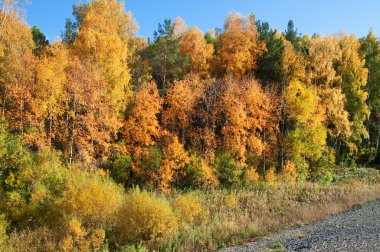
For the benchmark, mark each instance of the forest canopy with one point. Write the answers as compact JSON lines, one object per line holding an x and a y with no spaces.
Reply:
{"x":188,"y":108}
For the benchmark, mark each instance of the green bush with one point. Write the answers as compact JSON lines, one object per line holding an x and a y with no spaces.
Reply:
{"x":120,"y":167}
{"x":197,"y":174}
{"x":33,"y":202}
{"x":230,"y":172}
{"x":147,"y":165}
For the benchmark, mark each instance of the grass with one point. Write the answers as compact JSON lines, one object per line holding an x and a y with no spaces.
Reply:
{"x":237,"y":216}
{"x":215,"y":219}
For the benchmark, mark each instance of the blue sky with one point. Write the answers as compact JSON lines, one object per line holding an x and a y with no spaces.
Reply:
{"x":311,"y":16}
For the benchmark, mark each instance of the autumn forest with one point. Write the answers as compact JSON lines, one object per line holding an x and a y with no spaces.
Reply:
{"x":104,"y":111}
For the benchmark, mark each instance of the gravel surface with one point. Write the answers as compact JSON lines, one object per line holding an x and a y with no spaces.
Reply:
{"x":357,"y":230}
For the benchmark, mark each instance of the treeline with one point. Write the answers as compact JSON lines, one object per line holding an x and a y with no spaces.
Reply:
{"x":186,"y":109}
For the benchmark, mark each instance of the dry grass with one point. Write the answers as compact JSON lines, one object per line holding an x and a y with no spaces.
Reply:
{"x":240,"y":215}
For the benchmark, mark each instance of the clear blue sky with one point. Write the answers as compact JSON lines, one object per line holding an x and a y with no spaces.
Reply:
{"x":310,"y":16}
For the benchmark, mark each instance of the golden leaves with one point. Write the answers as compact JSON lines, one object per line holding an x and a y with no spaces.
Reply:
{"x":239,"y":46}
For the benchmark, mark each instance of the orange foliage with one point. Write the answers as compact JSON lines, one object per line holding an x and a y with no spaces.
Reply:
{"x":179,"y":103}
{"x":141,"y":127}
{"x":239,"y":45}
{"x":17,"y":68}
{"x":199,"y":52}
{"x":248,"y":112}
{"x":175,"y":159}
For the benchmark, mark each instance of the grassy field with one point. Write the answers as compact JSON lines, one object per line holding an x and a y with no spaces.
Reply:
{"x":204,"y":220}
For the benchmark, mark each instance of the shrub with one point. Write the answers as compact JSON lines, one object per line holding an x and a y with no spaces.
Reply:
{"x":251,"y":176}
{"x":327,"y":178}
{"x":41,"y":239}
{"x":289,"y":173}
{"x":230,"y":201}
{"x":198,"y":174}
{"x":144,"y":217}
{"x":79,"y":239}
{"x":3,"y":229}
{"x":270,"y":176}
{"x":92,"y":198}
{"x":189,"y":209}
{"x":230,"y":172}
{"x":43,"y":182}
{"x":120,"y":167}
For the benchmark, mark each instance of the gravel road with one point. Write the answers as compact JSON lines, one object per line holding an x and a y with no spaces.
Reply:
{"x":357,"y":230}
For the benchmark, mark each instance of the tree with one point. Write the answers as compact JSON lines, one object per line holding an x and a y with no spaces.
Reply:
{"x":180,"y":104}
{"x":305,"y":140}
{"x":175,"y":160}
{"x":353,"y":74}
{"x":40,"y":41}
{"x":324,"y":53}
{"x":141,"y":127}
{"x":370,"y":51}
{"x":269,"y":65}
{"x":238,"y":46}
{"x":195,"y":47}
{"x":141,"y":72}
{"x":210,"y":37}
{"x":70,"y":33}
{"x":71,"y":27}
{"x":179,"y":27}
{"x":293,"y":64}
{"x":84,"y":135}
{"x":104,"y":32}
{"x":292,"y":35}
{"x":247,"y":111}
{"x":163,"y":55}
{"x":50,"y":86}
{"x":17,"y":69}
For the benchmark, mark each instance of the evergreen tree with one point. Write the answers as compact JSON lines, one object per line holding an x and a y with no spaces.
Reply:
{"x":163,"y":55}
{"x":40,"y":41}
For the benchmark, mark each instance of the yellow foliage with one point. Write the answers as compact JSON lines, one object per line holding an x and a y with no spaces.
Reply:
{"x":79,"y":239}
{"x":301,"y":102}
{"x":17,"y":66}
{"x":102,"y":41}
{"x":144,"y":217}
{"x":293,"y":63}
{"x":270,"y":176}
{"x":188,"y":208}
{"x":103,"y":46}
{"x":252,"y":176}
{"x":239,"y":45}
{"x":180,"y":102}
{"x":208,"y":177}
{"x":289,"y":172}
{"x":323,"y":53}
{"x":92,"y":199}
{"x":175,"y":159}
{"x":230,"y":201}
{"x":248,"y":111}
{"x":199,"y":52}
{"x":333,"y":99}
{"x":141,"y":126}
